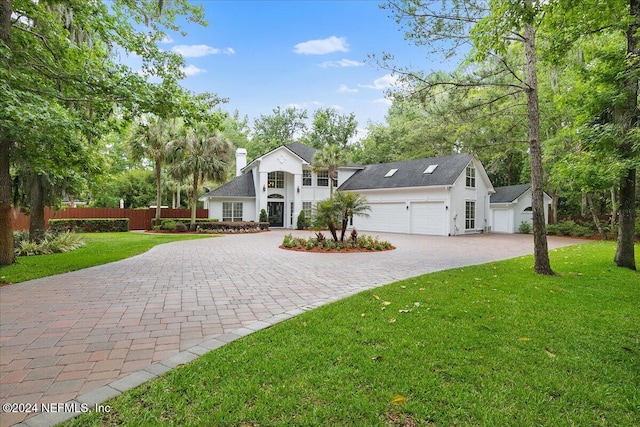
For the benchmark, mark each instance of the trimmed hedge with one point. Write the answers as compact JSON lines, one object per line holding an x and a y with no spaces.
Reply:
{"x":232,"y":227}
{"x":89,"y":225}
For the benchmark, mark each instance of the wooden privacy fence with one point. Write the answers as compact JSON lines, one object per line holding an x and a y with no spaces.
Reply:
{"x":139,"y":219}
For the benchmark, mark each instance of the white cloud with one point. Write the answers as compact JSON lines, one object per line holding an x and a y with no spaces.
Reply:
{"x":341,"y":63}
{"x":383,"y":101}
{"x":384,"y":82}
{"x":322,"y":46}
{"x":192,"y":70}
{"x":337,"y":107}
{"x":346,"y":89}
{"x":166,"y":39}
{"x":198,"y":50}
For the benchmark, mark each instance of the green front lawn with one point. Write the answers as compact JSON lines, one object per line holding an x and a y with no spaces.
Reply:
{"x":100,"y":248}
{"x":490,"y":345}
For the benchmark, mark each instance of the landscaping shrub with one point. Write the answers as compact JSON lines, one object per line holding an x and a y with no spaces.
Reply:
{"x":263,"y":216}
{"x":368,"y":243}
{"x":302,"y":221}
{"x":51,"y":244}
{"x":232,"y":227}
{"x":524,"y":228}
{"x":168,"y":225}
{"x":89,"y":225}
{"x":570,"y":228}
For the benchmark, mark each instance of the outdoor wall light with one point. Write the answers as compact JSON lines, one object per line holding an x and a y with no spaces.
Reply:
{"x":264,"y":188}
{"x":298,"y":189}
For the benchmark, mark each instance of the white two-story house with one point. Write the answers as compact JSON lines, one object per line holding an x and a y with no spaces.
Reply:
{"x":447,"y":196}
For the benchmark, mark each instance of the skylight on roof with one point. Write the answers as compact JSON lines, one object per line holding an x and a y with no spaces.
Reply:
{"x":390,"y":173}
{"x":430,"y":169}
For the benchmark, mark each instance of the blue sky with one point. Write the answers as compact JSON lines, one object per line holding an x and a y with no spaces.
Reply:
{"x":309,"y":54}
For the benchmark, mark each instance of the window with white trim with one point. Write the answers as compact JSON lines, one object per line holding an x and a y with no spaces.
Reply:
{"x":323,"y":178}
{"x":232,"y":211}
{"x":470,"y":216}
{"x":306,"y":207}
{"x":471,"y":176}
{"x":275,"y":179}
{"x":306,"y":178}
{"x":335,"y":179}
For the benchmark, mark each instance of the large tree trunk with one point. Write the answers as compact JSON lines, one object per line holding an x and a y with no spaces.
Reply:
{"x":540,"y":248}
{"x":36,"y":209}
{"x":628,"y":117}
{"x":7,"y":255}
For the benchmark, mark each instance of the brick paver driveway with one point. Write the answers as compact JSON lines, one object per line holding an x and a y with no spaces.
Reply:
{"x":87,"y":335}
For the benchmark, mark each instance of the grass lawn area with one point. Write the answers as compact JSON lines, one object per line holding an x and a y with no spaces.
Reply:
{"x":490,"y":345}
{"x":100,"y":248}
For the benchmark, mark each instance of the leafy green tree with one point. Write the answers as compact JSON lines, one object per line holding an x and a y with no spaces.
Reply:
{"x":61,"y":53}
{"x":606,"y":36}
{"x":150,"y":139}
{"x":330,"y":157}
{"x":279,"y":128}
{"x":201,"y":152}
{"x":331,"y":128}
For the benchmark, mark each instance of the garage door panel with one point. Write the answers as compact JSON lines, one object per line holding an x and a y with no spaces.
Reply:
{"x":383,"y":217}
{"x":428,"y":218}
{"x":501,"y":221}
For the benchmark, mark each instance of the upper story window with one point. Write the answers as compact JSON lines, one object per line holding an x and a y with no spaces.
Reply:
{"x":306,"y":178}
{"x":323,"y":178}
{"x":275,"y":179}
{"x":471,"y":176}
{"x":390,"y":173}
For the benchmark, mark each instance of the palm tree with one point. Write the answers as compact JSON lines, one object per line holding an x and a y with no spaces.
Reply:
{"x":151,"y":141}
{"x":330,"y":157}
{"x":350,"y":204}
{"x":202,"y":153}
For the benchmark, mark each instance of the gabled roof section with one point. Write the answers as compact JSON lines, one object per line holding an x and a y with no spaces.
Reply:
{"x":410,"y":173}
{"x":241,"y":186}
{"x":303,"y":151}
{"x":509,"y":193}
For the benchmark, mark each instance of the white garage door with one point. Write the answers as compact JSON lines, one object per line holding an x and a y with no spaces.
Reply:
{"x":428,"y":218}
{"x":501,"y":221}
{"x":384,"y":217}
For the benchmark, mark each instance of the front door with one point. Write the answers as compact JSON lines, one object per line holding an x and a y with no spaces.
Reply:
{"x":276,"y":214}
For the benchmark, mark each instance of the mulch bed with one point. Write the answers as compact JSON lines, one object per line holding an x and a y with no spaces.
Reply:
{"x":335,"y":251}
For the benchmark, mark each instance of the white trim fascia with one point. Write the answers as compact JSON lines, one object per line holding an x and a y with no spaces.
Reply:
{"x":202,"y":199}
{"x":424,"y":187}
{"x":258,"y":159}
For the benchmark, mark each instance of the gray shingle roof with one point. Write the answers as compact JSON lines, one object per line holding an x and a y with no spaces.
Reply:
{"x":509,"y":193}
{"x":303,"y":151}
{"x":241,"y":186}
{"x":409,"y":174}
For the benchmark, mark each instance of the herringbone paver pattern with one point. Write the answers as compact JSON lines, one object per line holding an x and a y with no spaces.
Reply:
{"x":67,"y":335}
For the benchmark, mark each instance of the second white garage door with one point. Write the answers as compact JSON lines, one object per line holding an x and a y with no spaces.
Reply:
{"x":428,"y":218}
